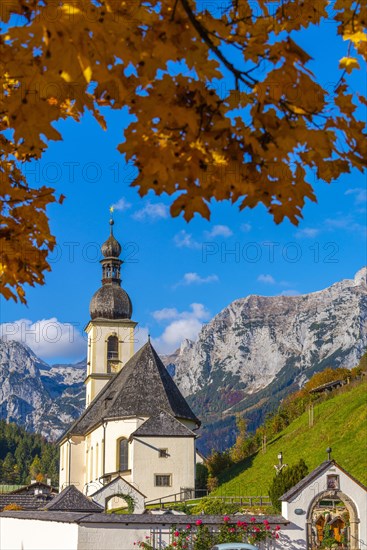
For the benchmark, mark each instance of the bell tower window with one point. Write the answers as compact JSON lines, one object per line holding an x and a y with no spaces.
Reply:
{"x":112,"y":353}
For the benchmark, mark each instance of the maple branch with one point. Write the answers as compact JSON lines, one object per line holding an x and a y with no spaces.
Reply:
{"x":203,"y":33}
{"x":174,"y":10}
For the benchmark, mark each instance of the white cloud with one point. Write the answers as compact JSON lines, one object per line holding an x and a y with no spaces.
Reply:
{"x":219,"y":231}
{"x":268,"y":279}
{"x":121,"y":205}
{"x":289,"y":293}
{"x":152,"y":212}
{"x":348,"y":223}
{"x":246,"y":227}
{"x":186,"y":240}
{"x":184,"y":324}
{"x":195,"y":278}
{"x":307,"y":232}
{"x":360,"y":195}
{"x":165,"y":314}
{"x":48,"y":338}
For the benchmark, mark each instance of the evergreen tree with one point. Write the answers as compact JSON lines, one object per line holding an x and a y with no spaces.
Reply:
{"x":10,"y":470}
{"x":18,"y":450}
{"x":285,"y":480}
{"x":201,"y":479}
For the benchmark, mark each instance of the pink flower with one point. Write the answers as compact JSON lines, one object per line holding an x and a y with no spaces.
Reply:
{"x":232,"y":530}
{"x":199,"y":522}
{"x":266,"y":522}
{"x":256,"y":529}
{"x":253,"y":520}
{"x":174,"y":543}
{"x":239,"y":523}
{"x":188,"y":526}
{"x":267,"y":527}
{"x":277,"y":536}
{"x":277,"y":528}
{"x":176,"y":533}
{"x":226,"y":519}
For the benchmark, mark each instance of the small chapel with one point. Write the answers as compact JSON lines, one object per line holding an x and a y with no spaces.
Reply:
{"x":137,"y":428}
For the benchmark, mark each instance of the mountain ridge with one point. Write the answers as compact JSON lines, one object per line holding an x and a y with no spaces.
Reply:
{"x":244,"y":361}
{"x":258,"y":349}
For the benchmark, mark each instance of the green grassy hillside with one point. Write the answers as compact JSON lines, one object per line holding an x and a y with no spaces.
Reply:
{"x":340,"y":422}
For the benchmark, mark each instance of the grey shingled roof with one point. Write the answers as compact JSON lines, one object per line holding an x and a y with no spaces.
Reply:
{"x":324,"y":466}
{"x":139,"y":519}
{"x":64,"y":517}
{"x":143,"y":387}
{"x":72,"y":500}
{"x":163,"y":424}
{"x":170,"y":519}
{"x":26,"y":501}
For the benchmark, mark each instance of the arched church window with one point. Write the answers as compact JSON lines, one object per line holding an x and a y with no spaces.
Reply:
{"x":123,"y":455}
{"x":91,"y":464}
{"x":97,"y":461}
{"x":112,"y":352}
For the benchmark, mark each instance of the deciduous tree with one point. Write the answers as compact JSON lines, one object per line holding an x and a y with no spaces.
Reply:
{"x":223,"y":104}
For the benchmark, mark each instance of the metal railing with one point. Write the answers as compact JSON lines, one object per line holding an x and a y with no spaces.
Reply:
{"x":184,"y":496}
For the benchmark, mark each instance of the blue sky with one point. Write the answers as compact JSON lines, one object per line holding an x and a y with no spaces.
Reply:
{"x":178,"y":275}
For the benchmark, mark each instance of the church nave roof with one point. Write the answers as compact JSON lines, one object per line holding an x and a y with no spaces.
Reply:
{"x":143,"y":387}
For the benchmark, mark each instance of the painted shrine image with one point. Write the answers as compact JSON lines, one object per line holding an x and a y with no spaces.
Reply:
{"x":330,"y":524}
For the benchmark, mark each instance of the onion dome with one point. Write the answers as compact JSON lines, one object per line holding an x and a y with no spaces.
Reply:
{"x":111,"y":301}
{"x":111,"y":247}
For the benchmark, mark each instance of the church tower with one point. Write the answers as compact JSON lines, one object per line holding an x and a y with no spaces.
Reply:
{"x":110,"y":330}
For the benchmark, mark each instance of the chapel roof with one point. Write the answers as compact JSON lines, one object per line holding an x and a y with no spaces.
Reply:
{"x":322,"y":468}
{"x":143,"y":387}
{"x":72,"y":500}
{"x":163,"y":424}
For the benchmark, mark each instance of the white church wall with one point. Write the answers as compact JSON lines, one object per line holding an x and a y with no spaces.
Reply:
{"x":77,"y":470}
{"x":179,"y":464}
{"x":76,"y":451}
{"x":27,"y":534}
{"x":63,"y":469}
{"x":116,"y":430}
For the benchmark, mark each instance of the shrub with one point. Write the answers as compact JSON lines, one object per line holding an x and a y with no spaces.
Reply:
{"x":12,"y":506}
{"x":285,"y":480}
{"x":200,"y":537}
{"x":214,"y":506}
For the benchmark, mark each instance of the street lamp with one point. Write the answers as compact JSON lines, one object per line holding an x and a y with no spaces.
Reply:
{"x":279,"y":467}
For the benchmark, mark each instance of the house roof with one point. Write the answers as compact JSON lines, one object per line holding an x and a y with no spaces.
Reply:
{"x":324,"y":466}
{"x":72,"y":500}
{"x":143,"y":387}
{"x":32,"y":486}
{"x":26,"y":501}
{"x":328,"y":386}
{"x":163,"y":424}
